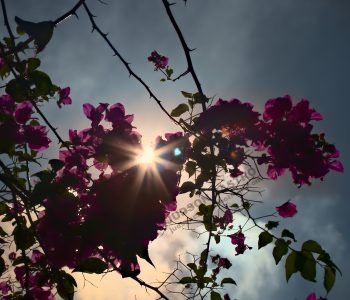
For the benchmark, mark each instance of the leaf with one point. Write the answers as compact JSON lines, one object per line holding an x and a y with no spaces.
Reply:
{"x":192,"y":266}
{"x":179,"y":110}
{"x":2,"y":266}
{"x":187,"y":186}
{"x":91,"y":265}
{"x":3,"y":208}
{"x":200,"y":98}
{"x":217,"y":238}
{"x":215,"y":296}
{"x":312,"y":246}
{"x":280,"y":250}
{"x":190,"y":168}
{"x":329,"y":278}
{"x":42,"y":82}
{"x":17,"y":89}
{"x":186,"y":94}
{"x":306,"y":264}
{"x":65,"y":289}
{"x":287,"y":233}
{"x":271,"y":224}
{"x":290,"y":266}
{"x":21,"y":260}
{"x":228,"y":280}
{"x":33,"y":64}
{"x":23,"y":236}
{"x":56,"y":164}
{"x":41,"y":32}
{"x":185,"y":280}
{"x":264,"y":239}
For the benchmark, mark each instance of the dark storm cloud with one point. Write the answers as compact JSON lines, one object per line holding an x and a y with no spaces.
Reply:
{"x":249,"y":49}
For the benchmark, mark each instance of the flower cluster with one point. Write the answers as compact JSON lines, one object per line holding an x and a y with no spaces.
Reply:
{"x":284,"y":132}
{"x":312,"y":296}
{"x":221,"y":262}
{"x":14,"y":126}
{"x":291,"y":145}
{"x":159,"y":61}
{"x":39,"y":286}
{"x":223,"y":221}
{"x":238,"y":239}
{"x":115,"y":210}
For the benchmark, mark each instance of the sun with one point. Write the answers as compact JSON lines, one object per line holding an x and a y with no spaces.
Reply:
{"x":147,"y":156}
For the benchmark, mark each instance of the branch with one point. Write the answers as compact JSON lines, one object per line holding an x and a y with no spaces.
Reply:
{"x":22,"y":45}
{"x":186,"y":49}
{"x":127,"y":65}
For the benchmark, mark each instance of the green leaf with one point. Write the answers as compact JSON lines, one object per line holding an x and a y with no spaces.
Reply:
{"x":56,"y":164}
{"x":17,"y":89}
{"x":186,"y":94}
{"x":21,"y":260}
{"x":92,"y":265}
{"x":329,"y":278}
{"x":192,"y":266}
{"x":23,"y":236}
{"x":287,"y":233}
{"x":217,"y":238}
{"x":42,"y":82}
{"x":2,"y":232}
{"x":215,"y":296}
{"x":33,"y":64}
{"x":179,"y":110}
{"x":41,"y":32}
{"x":290,"y":265}
{"x":312,"y":246}
{"x":264,"y":239}
{"x":187,"y":186}
{"x":2,"y":266}
{"x":228,"y":280}
{"x":65,"y":289}
{"x":3,"y":208}
{"x":271,"y":224}
{"x":185,"y":280}
{"x":306,"y":264}
{"x":280,"y":250}
{"x":190,"y":168}
{"x":200,"y":98}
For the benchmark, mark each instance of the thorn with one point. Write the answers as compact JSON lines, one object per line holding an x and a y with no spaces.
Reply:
{"x":76,"y":15}
{"x":191,"y":50}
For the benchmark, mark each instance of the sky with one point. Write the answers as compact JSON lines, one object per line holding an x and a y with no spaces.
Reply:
{"x":251,"y":50}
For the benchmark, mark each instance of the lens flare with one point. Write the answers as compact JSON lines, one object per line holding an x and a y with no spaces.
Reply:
{"x":147,"y":156}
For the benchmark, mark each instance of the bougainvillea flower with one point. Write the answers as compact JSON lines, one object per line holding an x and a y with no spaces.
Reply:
{"x":275,"y":109}
{"x":64,"y":98}
{"x":238,"y":239}
{"x":287,"y":210}
{"x":4,"y":288}
{"x":36,"y":137}
{"x":94,"y":114}
{"x":312,"y":296}
{"x":23,"y":112}
{"x":160,"y":61}
{"x":226,"y":219}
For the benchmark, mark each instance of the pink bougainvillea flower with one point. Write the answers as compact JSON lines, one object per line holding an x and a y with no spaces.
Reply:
{"x":276,"y":108}
{"x":36,"y":137}
{"x":4,"y":288}
{"x":64,"y":97}
{"x":287,"y":210}
{"x":312,"y":296}
{"x":238,"y":239}
{"x":94,"y":114}
{"x":23,"y":112}
{"x":160,"y":61}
